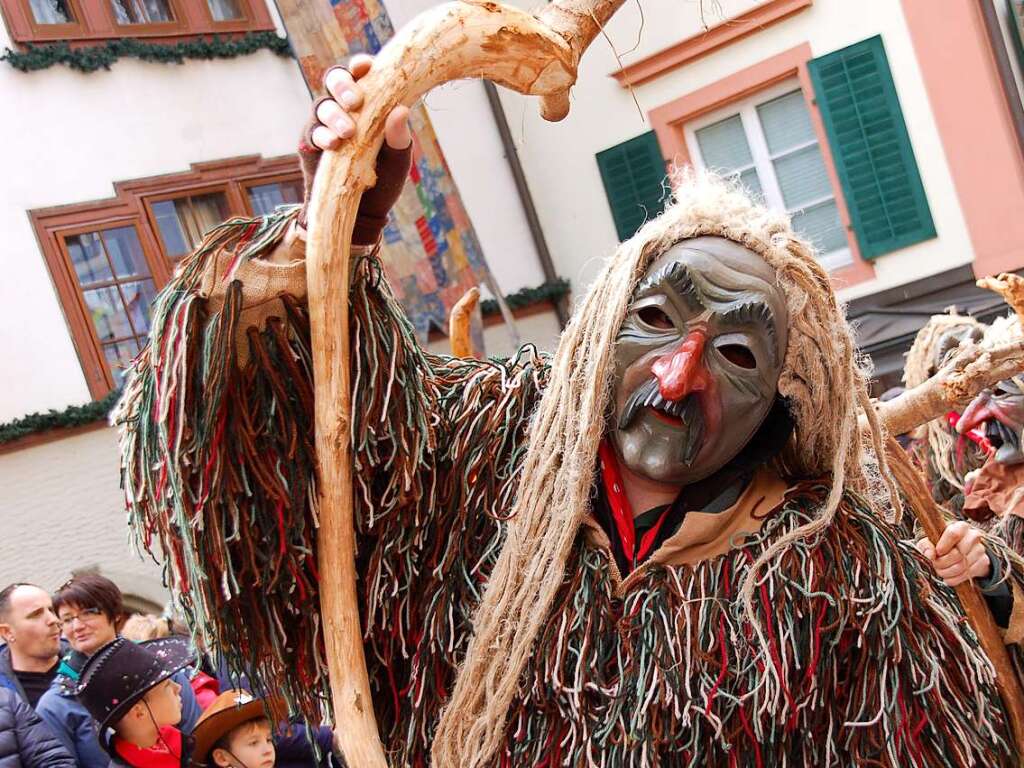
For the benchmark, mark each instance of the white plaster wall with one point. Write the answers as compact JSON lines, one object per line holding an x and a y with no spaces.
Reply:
{"x":65,"y":137}
{"x":559,"y":158}
{"x":61,"y":510}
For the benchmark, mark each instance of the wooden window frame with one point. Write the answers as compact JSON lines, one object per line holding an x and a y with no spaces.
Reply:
{"x":44,"y":31}
{"x":244,"y":185}
{"x":130,"y":206}
{"x":96,"y":21}
{"x":176,"y":26}
{"x":235,"y":206}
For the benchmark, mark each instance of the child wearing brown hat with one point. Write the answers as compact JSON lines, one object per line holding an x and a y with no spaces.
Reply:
{"x":235,"y":732}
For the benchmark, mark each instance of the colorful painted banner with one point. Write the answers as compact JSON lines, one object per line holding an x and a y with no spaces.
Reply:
{"x":431,"y":253}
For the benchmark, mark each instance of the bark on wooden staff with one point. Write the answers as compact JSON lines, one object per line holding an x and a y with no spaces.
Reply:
{"x":972,"y":370}
{"x":534,"y":55}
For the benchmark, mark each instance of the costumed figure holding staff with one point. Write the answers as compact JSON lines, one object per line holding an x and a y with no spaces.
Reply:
{"x":947,"y":459}
{"x":665,"y":544}
{"x":943,"y":455}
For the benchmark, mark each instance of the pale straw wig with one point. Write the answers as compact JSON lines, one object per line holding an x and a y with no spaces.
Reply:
{"x":822,"y":381}
{"x":919,"y":368}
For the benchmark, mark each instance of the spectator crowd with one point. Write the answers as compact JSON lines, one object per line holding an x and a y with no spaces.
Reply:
{"x":85,"y":685}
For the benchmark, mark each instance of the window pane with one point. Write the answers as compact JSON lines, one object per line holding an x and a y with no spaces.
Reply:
{"x":821,"y":225}
{"x":139,"y":297}
{"x":786,"y":122}
{"x":125,"y":252}
{"x":52,"y":11}
{"x":183,"y":222}
{"x":225,"y":10}
{"x":723,"y":145}
{"x":108,"y":315}
{"x":86,"y":252}
{"x":142,"y":11}
{"x":119,"y":355}
{"x":752,"y":183}
{"x":171,"y":234}
{"x":802,"y":177}
{"x":264,"y":198}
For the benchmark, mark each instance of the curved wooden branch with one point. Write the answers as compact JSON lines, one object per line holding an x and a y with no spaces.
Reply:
{"x":1010,"y":287}
{"x":532,"y":55}
{"x":459,"y":322}
{"x":952,"y":387}
{"x":956,"y":384}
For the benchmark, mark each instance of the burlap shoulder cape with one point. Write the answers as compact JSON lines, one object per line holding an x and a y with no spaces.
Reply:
{"x":874,"y":662}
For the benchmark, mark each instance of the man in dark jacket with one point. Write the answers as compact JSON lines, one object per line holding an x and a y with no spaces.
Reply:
{"x":31,"y":631}
{"x":25,"y":741}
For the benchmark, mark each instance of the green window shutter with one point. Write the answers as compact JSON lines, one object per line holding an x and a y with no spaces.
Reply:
{"x":633,"y":174}
{"x":1014,"y":19}
{"x":857,"y":99}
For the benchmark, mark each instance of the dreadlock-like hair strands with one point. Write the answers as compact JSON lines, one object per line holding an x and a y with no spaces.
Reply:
{"x":822,"y":382}
{"x":939,"y":438}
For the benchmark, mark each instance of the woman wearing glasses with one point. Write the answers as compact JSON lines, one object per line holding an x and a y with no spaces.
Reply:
{"x":91,"y":611}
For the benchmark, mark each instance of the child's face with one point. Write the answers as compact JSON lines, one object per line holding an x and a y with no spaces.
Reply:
{"x":164,"y":702}
{"x":252,"y":746}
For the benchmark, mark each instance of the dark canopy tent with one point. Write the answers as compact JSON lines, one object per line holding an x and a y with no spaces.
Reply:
{"x":887,"y":322}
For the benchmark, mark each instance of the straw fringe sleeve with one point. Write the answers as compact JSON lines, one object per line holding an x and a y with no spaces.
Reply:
{"x":869,"y":663}
{"x":219,"y":471}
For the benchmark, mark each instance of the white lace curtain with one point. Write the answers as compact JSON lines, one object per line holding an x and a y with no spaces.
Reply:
{"x":51,"y":12}
{"x":224,"y":10}
{"x":142,"y":11}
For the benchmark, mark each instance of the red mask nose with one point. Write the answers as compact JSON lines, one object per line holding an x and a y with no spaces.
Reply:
{"x":681,"y":372}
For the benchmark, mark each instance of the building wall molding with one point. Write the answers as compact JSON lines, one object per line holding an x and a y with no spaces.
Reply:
{"x":710,"y":40}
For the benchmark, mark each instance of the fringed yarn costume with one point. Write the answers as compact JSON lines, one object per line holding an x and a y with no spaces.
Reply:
{"x":871,"y":660}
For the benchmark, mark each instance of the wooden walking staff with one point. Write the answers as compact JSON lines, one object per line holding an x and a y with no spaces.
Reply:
{"x":534,"y":55}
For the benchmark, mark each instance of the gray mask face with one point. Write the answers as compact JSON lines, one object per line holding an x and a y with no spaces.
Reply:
{"x":999,"y":412}
{"x":697,"y":359}
{"x":949,"y":344}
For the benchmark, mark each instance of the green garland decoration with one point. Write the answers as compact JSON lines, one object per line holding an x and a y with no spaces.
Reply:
{"x":552,"y":290}
{"x":72,"y":416}
{"x":92,"y":58}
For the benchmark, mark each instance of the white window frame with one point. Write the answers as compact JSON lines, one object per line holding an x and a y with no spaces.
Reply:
{"x":763,"y":159}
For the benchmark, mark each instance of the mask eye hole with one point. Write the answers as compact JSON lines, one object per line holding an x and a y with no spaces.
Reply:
{"x":655,"y":318}
{"x":738,"y":355}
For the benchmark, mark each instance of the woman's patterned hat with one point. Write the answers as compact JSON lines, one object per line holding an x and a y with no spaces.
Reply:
{"x":119,"y":674}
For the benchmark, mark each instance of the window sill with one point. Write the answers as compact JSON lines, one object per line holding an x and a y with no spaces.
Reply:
{"x":94,"y":22}
{"x":836,"y":260}
{"x":154,"y":34}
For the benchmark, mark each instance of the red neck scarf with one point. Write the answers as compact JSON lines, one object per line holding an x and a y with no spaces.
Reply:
{"x":622,"y":510}
{"x":166,"y":753}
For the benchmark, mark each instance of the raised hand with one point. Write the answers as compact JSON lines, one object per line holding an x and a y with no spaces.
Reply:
{"x":330,"y":125}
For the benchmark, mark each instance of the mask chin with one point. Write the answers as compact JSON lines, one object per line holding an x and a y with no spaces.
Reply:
{"x":658,"y":460}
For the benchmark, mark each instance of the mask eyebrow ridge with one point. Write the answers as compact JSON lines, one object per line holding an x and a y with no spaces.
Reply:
{"x":677,"y":277}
